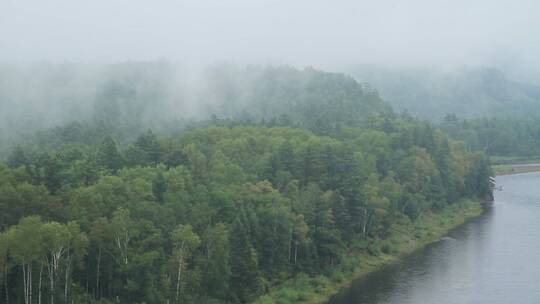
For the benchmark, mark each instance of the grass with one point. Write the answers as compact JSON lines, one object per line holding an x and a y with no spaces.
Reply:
{"x":508,"y":160}
{"x":366,"y":257}
{"x":513,"y":169}
{"x":504,"y":165}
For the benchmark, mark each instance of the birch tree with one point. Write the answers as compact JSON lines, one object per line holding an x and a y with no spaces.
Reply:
{"x":27,"y":249}
{"x":99,"y":235}
{"x":55,"y":240}
{"x":184,"y":241}
{"x":121,"y":225}
{"x":76,"y":251}
{"x":4,"y":263}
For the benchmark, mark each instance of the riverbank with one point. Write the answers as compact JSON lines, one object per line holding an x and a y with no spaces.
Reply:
{"x":364,"y":258}
{"x":507,"y":169}
{"x":505,"y":165}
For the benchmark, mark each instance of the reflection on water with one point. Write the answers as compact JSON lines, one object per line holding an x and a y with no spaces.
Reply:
{"x":491,"y":259}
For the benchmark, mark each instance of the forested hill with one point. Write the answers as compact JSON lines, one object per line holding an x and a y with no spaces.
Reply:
{"x":466,"y":92}
{"x":309,"y":98}
{"x":222,"y":210}
{"x":497,"y":136}
{"x":128,"y":98}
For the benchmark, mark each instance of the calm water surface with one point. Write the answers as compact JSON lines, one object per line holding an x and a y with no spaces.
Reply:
{"x":492,"y":259}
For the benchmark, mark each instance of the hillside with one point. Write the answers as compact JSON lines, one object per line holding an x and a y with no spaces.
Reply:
{"x":80,"y":102}
{"x":284,"y":173}
{"x":466,"y":92}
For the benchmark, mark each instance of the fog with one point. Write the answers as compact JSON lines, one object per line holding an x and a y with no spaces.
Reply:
{"x":59,"y":58}
{"x":502,"y":33}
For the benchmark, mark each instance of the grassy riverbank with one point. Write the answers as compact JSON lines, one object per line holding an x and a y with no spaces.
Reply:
{"x":365,"y":257}
{"x":505,"y":165}
{"x":507,"y":169}
{"x":513,"y":160}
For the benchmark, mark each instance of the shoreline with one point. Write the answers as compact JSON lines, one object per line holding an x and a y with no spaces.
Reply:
{"x":511,"y":169}
{"x":406,"y":238}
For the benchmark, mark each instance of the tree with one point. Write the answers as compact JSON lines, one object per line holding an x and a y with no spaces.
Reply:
{"x":26,"y":247}
{"x":184,"y":241}
{"x":274,"y":239}
{"x":244,"y":207}
{"x":197,"y":162}
{"x":145,"y":151}
{"x":99,"y":237}
{"x":52,"y":178}
{"x":122,"y":228}
{"x":299,"y":238}
{"x":159,"y":187}
{"x":325,"y":235}
{"x":5,"y":246}
{"x":108,"y":155}
{"x":375,"y":204}
{"x":216,"y":262}
{"x":245,"y":278}
{"x":55,"y":240}
{"x":76,"y":250}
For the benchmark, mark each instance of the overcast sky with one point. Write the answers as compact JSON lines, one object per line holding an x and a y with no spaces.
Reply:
{"x":298,"y":32}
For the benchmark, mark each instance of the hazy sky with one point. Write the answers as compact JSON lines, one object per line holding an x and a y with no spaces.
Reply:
{"x":300,"y":32}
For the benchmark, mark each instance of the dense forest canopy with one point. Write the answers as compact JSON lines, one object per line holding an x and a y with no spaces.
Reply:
{"x":292,"y":170}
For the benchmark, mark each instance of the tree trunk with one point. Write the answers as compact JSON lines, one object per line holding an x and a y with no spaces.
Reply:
{"x":290,"y":244}
{"x":364,"y":224}
{"x":40,"y":273}
{"x":87,"y":274}
{"x":30,"y":280}
{"x":110,"y":286}
{"x":27,"y":282}
{"x":178,"y":278}
{"x":51,"y":280}
{"x":295,"y":251}
{"x":6,"y":283}
{"x":97,"y":276}
{"x":24,"y":284}
{"x":68,"y":264}
{"x":67,"y":278}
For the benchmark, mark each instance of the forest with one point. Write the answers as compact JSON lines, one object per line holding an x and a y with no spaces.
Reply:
{"x":468,"y":92}
{"x":483,"y":107}
{"x":271,"y":183}
{"x":509,"y":136}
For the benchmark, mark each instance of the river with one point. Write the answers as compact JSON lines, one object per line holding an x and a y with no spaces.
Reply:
{"x":493,"y":259}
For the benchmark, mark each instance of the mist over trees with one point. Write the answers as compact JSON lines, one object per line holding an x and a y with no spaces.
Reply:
{"x":497,"y":136}
{"x":480,"y":106}
{"x":283,"y":172}
{"x":467,"y":92}
{"x":128,"y":98}
{"x":192,"y":152}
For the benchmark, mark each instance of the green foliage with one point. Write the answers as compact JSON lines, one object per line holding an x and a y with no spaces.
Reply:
{"x":510,"y":137}
{"x":223,"y":213}
{"x":470,"y":92}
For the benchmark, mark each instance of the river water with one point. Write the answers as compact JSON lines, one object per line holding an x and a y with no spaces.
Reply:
{"x":493,"y":259}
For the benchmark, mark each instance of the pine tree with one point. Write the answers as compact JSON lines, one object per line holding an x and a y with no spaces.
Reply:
{"x":108,"y":155}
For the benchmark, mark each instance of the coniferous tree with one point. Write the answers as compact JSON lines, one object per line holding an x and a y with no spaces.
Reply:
{"x":108,"y":155}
